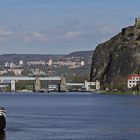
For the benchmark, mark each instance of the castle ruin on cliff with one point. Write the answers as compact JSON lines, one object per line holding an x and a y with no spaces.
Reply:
{"x":137,"y":22}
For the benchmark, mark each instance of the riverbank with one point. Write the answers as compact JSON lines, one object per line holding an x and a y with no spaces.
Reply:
{"x":120,"y":92}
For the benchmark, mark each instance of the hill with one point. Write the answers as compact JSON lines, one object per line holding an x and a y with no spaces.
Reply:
{"x":80,"y":54}
{"x":15,"y":58}
{"x":117,"y":58}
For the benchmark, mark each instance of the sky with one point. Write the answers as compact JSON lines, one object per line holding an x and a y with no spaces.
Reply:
{"x":62,"y":26}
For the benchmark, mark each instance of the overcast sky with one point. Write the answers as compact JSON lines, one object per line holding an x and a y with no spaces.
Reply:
{"x":62,"y":26}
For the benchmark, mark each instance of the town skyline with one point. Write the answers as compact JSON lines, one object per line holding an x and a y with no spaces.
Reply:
{"x":61,"y":27}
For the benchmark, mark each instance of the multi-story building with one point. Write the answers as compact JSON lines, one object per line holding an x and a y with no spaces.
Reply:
{"x":3,"y":71}
{"x":7,"y":65}
{"x":16,"y":71}
{"x":36,"y":63}
{"x":133,"y":81}
{"x":50,"y":62}
{"x":21,"y":63}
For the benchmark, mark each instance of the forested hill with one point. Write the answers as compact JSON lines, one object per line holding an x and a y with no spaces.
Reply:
{"x":15,"y":58}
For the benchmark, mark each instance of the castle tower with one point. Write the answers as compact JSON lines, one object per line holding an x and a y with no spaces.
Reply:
{"x":137,"y":22}
{"x":37,"y":84}
{"x":63,"y":87}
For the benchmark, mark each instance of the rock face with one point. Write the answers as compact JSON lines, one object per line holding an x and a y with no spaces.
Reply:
{"x":117,"y":58}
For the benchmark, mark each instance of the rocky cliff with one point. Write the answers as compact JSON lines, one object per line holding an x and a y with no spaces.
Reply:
{"x":117,"y":58}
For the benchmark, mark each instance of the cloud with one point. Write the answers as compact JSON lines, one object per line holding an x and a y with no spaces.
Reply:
{"x":59,"y":34}
{"x":72,"y":34}
{"x":5,"y":33}
{"x":24,"y":36}
{"x":40,"y":36}
{"x":33,"y":36}
{"x":105,"y":29}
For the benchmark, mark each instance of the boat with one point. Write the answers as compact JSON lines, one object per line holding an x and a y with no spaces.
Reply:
{"x":2,"y":118}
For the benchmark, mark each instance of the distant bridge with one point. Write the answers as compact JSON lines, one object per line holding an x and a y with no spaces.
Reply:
{"x":10,"y":78}
{"x":13,"y":79}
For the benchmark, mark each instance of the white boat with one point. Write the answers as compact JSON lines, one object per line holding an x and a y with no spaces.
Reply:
{"x":2,"y":118}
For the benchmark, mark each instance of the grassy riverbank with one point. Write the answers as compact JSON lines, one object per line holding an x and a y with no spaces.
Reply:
{"x":120,"y":92}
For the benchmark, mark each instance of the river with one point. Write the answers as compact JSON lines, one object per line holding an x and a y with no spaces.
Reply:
{"x":71,"y":116}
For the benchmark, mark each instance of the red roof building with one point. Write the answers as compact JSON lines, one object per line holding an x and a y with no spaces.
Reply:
{"x":133,"y":80}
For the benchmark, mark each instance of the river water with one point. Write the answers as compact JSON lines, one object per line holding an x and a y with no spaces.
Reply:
{"x":73,"y":116}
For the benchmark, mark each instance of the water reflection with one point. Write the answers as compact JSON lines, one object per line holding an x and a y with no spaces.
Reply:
{"x":2,"y":135}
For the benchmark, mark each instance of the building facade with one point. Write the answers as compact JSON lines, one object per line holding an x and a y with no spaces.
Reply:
{"x":133,"y":81}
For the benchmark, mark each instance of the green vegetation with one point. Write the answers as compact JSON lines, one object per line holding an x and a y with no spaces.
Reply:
{"x":120,"y":92}
{"x":117,"y":85}
{"x":79,"y":78}
{"x":26,"y":71}
{"x":22,"y":85}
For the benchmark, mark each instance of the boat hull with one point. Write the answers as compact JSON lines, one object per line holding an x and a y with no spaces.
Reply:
{"x":2,"y":122}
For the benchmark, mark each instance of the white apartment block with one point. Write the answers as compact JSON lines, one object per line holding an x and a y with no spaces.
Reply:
{"x":36,"y":63}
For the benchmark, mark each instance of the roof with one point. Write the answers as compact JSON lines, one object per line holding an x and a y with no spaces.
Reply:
{"x":133,"y":76}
